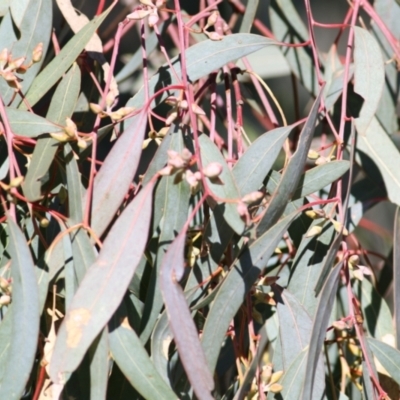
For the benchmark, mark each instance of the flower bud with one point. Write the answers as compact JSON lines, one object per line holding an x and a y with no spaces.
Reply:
{"x":214,"y":36}
{"x":95,"y":108}
{"x":312,"y":154}
{"x":186,"y":155}
{"x":314,"y":231}
{"x":5,"y":300}
{"x":37,"y":53}
{"x":153,"y":18}
{"x":252,"y":197}
{"x":138,"y":15}
{"x":212,"y":19}
{"x":16,"y":63}
{"x":4,"y":55}
{"x":70,"y":128}
{"x":213,"y":170}
{"x":16,"y":182}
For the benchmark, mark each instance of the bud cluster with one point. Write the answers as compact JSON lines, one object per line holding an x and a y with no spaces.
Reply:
{"x":10,"y":66}
{"x":317,"y":229}
{"x":70,"y":134}
{"x":147,"y":9}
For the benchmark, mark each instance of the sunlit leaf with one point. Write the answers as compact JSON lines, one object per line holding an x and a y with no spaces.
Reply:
{"x":106,"y":282}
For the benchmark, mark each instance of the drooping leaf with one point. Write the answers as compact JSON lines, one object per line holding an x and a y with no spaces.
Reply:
{"x":248,"y":17}
{"x":369,"y":76}
{"x":62,"y":105}
{"x":292,"y":173}
{"x":180,"y":320}
{"x":62,"y":62}
{"x":238,"y":282}
{"x":320,"y":324}
{"x":202,"y":59}
{"x":106,"y":281}
{"x":116,"y":174}
{"x":24,"y":317}
{"x":225,"y":190}
{"x":133,"y":360}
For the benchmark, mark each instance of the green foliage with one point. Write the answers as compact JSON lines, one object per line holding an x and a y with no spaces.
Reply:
{"x":172,"y":227}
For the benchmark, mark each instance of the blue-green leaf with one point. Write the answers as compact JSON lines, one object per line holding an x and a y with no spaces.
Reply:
{"x":24,"y":317}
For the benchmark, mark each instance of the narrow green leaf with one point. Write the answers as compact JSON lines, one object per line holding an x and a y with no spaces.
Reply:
{"x":320,"y":324}
{"x":295,"y":327}
{"x":34,"y":28}
{"x":396,"y":275}
{"x":5,"y":339}
{"x":62,"y":105}
{"x":292,"y":173}
{"x":202,"y":59}
{"x":106,"y":281}
{"x":226,"y":190}
{"x":248,"y":17}
{"x":133,"y":360}
{"x":180,"y":320}
{"x":25,"y":317}
{"x":254,"y":165}
{"x":25,"y":123}
{"x":99,"y":366}
{"x":293,"y":378}
{"x":60,"y":64}
{"x":237,"y":283}
{"x":388,"y":356}
{"x":369,"y":76}
{"x":376,"y":144}
{"x":310,"y":257}
{"x":161,"y":338}
{"x":74,"y":186}
{"x":116,"y":174}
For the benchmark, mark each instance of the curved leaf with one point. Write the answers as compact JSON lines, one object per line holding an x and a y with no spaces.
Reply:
{"x":133,"y":360}
{"x":388,"y":356}
{"x":25,"y":317}
{"x":103,"y":286}
{"x":376,"y":144}
{"x":116,"y":174}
